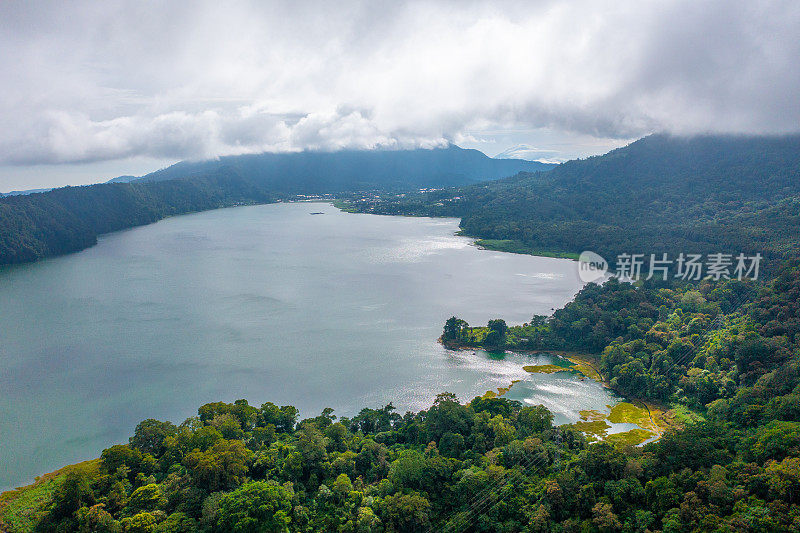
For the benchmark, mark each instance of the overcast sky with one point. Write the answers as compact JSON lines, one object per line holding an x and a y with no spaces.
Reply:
{"x":93,"y":90}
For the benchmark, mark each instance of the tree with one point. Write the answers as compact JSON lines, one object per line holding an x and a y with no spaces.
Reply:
{"x":448,"y":415}
{"x":451,"y":444}
{"x":139,"y":523}
{"x":255,"y":507}
{"x":784,"y":479}
{"x":150,"y":434}
{"x":454,"y":329}
{"x":146,"y":498}
{"x":96,"y":519}
{"x":342,"y":486}
{"x":312,"y":445}
{"x":410,"y":469}
{"x":121,"y":455}
{"x":367,"y":522}
{"x":494,"y":406}
{"x":74,"y":493}
{"x":503,"y":431}
{"x":534,"y":419}
{"x":497,"y":333}
{"x":406,"y":512}
{"x":178,"y":523}
{"x":245,"y":415}
{"x":604,"y":517}
{"x":221,"y":467}
{"x":283,"y":418}
{"x":776,"y":440}
{"x":228,"y":426}
{"x":498,"y":325}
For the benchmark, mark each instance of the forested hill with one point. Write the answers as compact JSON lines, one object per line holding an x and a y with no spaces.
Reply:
{"x":348,"y":170}
{"x":703,"y":194}
{"x":70,"y":219}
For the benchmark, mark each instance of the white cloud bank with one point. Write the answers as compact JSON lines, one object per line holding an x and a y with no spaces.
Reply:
{"x":88,"y":82}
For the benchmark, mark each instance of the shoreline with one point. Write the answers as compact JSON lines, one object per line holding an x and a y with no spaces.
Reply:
{"x":253,"y":203}
{"x":517,"y":247}
{"x":660,"y":415}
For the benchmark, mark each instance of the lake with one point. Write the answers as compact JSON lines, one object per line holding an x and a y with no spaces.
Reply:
{"x":267,"y":303}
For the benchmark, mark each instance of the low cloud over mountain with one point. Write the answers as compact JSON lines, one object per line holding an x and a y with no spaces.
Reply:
{"x":102,"y":82}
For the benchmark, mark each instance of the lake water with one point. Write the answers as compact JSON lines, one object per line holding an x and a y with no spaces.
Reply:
{"x":267,"y":303}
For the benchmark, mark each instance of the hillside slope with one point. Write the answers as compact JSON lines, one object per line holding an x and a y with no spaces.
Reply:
{"x":702,"y":194}
{"x":69,"y":219}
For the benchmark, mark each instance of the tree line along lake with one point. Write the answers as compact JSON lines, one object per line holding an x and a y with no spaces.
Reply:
{"x":267,"y":303}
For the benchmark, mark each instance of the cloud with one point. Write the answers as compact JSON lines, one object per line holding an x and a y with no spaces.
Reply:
{"x":104,"y":81}
{"x":531,"y":153}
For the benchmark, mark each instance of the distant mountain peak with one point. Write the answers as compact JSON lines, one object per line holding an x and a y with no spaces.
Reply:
{"x":123,"y":179}
{"x":444,"y":166}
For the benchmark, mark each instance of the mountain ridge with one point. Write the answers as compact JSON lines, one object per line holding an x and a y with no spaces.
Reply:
{"x":348,"y":169}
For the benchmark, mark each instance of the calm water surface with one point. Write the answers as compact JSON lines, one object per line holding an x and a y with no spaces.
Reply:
{"x":268,"y":303}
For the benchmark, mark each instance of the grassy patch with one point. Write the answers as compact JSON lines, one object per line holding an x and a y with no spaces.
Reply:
{"x":585,"y":366}
{"x":625,"y":412}
{"x":588,"y":371}
{"x":20,"y":507}
{"x":592,"y":415}
{"x":500,"y":391}
{"x":594,"y":430}
{"x":544,"y":369}
{"x":19,"y":512}
{"x":680,"y":415}
{"x":633,"y":437}
{"x":595,"y":424}
{"x":647,"y":417}
{"x":518,"y":247}
{"x":345,"y":206}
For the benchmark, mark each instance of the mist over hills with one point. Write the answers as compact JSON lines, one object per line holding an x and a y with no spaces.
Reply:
{"x":315,"y":172}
